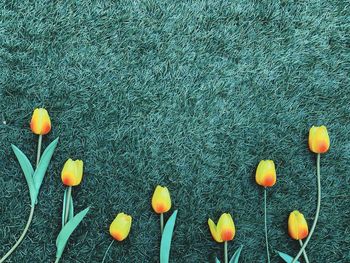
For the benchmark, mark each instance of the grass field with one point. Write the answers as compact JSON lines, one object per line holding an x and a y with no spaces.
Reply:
{"x":187,"y":94}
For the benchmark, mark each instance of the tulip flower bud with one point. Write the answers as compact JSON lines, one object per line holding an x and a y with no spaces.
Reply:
{"x":40,"y":123}
{"x":72,"y":172}
{"x":319,"y":139}
{"x":225,"y":229}
{"x":297,"y":225}
{"x":161,"y":201}
{"x":120,"y":227}
{"x":266,"y":173}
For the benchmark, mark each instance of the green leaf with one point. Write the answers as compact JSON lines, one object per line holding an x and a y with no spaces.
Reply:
{"x":67,"y":230}
{"x":165,"y":243}
{"x":71,"y":207}
{"x":217,"y":260}
{"x":28,"y":172}
{"x":286,"y":257}
{"x":235,"y":257}
{"x":43,"y":164}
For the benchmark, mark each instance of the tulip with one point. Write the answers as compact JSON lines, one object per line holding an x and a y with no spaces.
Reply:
{"x":120,"y":227}
{"x":71,"y":175}
{"x":119,"y":230}
{"x":72,"y":172}
{"x":40,"y":123}
{"x":266,"y":176}
{"x":224,"y":230}
{"x":318,"y":143}
{"x":319,"y":139}
{"x":297,"y":226}
{"x":161,"y":201}
{"x":266,"y":173}
{"x":298,"y":229}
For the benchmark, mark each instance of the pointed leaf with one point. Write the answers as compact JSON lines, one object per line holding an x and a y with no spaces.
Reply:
{"x":286,"y":257}
{"x":216,"y":260}
{"x":165,"y":243}
{"x":235,"y":257}
{"x":71,"y":208}
{"x":43,"y":164}
{"x":67,"y":230}
{"x":27,"y":170}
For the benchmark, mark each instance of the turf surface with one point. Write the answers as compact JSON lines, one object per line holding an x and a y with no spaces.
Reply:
{"x":188,"y":94}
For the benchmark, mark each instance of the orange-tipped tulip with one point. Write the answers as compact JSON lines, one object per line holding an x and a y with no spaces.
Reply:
{"x":266,"y":173}
{"x":297,"y":225}
{"x":225,"y":229}
{"x":72,"y":172}
{"x":120,"y":227}
{"x":40,"y":123}
{"x":319,"y":139}
{"x":161,"y":201}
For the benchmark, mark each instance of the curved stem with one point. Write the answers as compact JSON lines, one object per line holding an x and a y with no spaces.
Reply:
{"x":265,"y":219}
{"x":104,"y":257}
{"x":317,"y":209}
{"x":21,"y":237}
{"x":226,"y":254}
{"x":161,"y":223}
{"x":304,"y":252}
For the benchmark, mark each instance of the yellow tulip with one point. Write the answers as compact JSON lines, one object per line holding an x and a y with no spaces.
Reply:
{"x":72,"y":172}
{"x":225,"y":229}
{"x":161,"y":201}
{"x":40,"y":123}
{"x":120,"y":227}
{"x":266,"y":173}
{"x":297,"y":225}
{"x":319,"y":139}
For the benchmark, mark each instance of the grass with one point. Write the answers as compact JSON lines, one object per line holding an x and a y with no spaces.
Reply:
{"x":191,"y":95}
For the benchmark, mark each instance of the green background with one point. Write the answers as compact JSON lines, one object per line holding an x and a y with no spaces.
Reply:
{"x":187,"y":94}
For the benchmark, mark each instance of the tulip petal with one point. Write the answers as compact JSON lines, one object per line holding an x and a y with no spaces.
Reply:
{"x":213,"y":231}
{"x":319,"y":139}
{"x":266,"y":173}
{"x":297,"y":225}
{"x":161,"y":201}
{"x":72,"y":172}
{"x":225,"y":227}
{"x":40,"y":123}
{"x":120,"y":227}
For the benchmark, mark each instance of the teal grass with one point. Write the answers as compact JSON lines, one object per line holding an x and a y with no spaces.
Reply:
{"x":188,"y":95}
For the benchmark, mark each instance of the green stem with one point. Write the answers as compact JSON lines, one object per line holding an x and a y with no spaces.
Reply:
{"x":57,"y":260}
{"x":161,"y":223}
{"x":21,"y":237}
{"x":304,"y":252}
{"x":104,"y":257}
{"x":68,"y":197}
{"x":226,"y":254}
{"x":38,"y":153}
{"x":317,"y":210}
{"x":265,"y":220}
